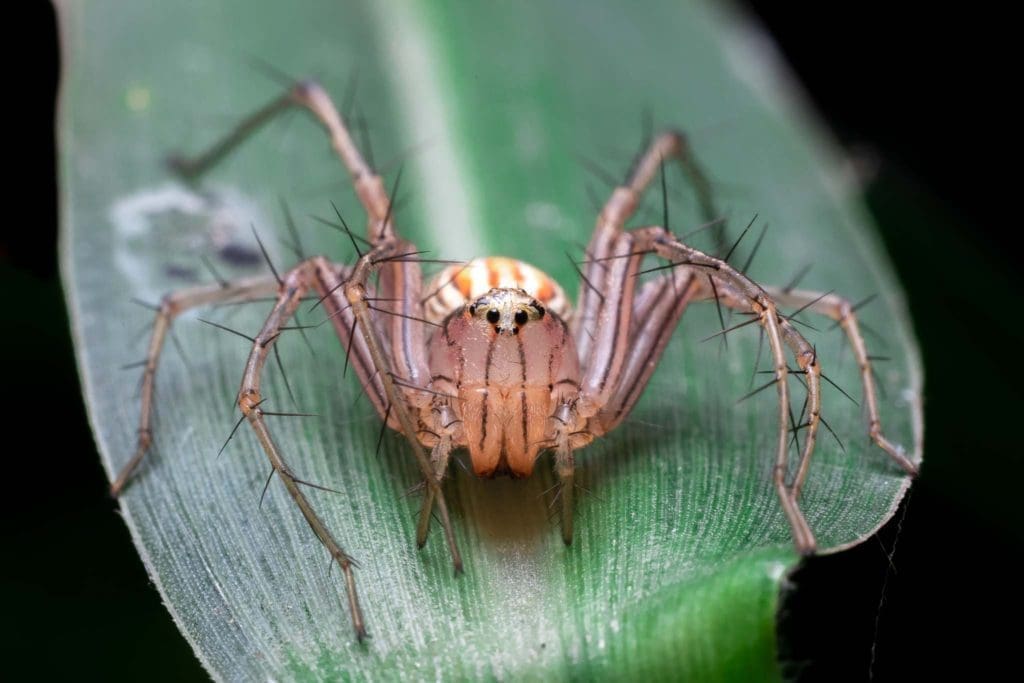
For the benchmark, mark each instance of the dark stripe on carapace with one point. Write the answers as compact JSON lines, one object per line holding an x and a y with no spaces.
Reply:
{"x":551,"y":355}
{"x":522,"y":391}
{"x":487,"y":391}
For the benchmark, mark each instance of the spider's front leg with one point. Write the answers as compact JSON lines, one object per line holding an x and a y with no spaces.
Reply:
{"x":732,"y":288}
{"x":842,"y":311}
{"x":349,"y":303}
{"x":315,"y":274}
{"x":624,"y":353}
{"x":631,"y":329}
{"x":402,"y":368}
{"x":617,"y":211}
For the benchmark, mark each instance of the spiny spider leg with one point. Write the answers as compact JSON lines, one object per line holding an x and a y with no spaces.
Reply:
{"x":736,"y":290}
{"x":170,"y":307}
{"x":294,"y":286}
{"x":841,"y":310}
{"x":730,"y":292}
{"x":322,"y":276}
{"x":603,"y":384}
{"x":316,"y":273}
{"x":399,"y":400}
{"x":620,"y":207}
{"x":658,"y":307}
{"x":309,"y":95}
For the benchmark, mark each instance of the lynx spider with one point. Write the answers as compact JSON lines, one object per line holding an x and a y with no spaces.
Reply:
{"x":502,"y":371}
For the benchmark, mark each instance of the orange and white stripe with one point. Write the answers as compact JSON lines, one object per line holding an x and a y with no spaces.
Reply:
{"x":458,"y":285}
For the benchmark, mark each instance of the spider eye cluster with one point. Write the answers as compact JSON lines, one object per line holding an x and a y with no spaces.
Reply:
{"x":507,"y":310}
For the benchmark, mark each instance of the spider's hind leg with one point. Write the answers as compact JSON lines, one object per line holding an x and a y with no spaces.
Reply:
{"x":392,"y":254}
{"x":722,"y":283}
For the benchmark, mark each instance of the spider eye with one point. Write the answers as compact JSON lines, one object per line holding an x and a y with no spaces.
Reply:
{"x":493,"y":316}
{"x":540,"y":311}
{"x":472,"y":309}
{"x":521,"y":317}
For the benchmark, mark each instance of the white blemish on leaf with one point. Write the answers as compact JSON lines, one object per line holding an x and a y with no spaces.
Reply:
{"x":163,"y":233}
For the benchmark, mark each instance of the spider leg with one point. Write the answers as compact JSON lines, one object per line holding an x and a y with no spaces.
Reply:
{"x":565,"y":468}
{"x":658,"y":307}
{"x":736,"y":290}
{"x":311,"y":96}
{"x":316,"y":273}
{"x":446,"y":432}
{"x":619,"y":208}
{"x":320,"y":275}
{"x":295,"y":284}
{"x":399,"y":391}
{"x":170,"y":307}
{"x":603,"y":363}
{"x":400,"y":288}
{"x":633,"y":327}
{"x":842,"y":311}
{"x":613,"y":259}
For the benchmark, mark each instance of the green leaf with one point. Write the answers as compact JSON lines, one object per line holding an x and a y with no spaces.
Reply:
{"x":681,"y":545}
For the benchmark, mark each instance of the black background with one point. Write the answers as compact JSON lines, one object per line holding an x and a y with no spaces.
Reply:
{"x":918,"y":97}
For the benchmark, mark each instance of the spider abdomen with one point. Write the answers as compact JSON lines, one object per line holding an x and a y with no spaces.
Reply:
{"x":458,"y":285}
{"x":504,"y":382}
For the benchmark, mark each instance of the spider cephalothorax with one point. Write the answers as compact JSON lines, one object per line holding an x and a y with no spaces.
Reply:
{"x":493,"y":359}
{"x":500,"y":366}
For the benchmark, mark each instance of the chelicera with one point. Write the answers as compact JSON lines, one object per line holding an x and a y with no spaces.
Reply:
{"x":492,"y":358}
